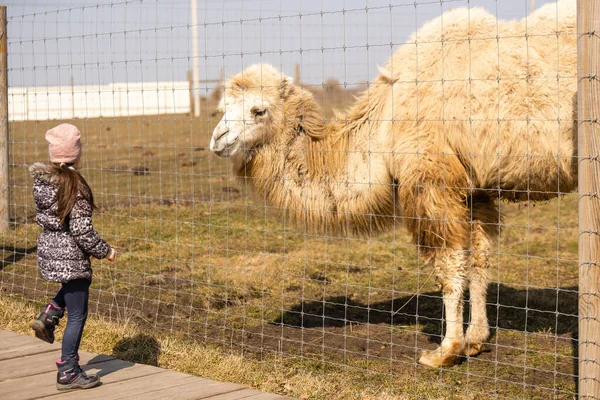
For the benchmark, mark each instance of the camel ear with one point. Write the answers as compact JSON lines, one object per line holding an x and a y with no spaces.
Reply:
{"x":386,"y":75}
{"x":286,"y":87}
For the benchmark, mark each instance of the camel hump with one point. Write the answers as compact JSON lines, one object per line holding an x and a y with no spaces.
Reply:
{"x":458,"y":24}
{"x":549,"y":18}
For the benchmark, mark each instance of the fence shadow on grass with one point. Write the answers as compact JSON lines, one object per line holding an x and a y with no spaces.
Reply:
{"x":525,"y":310}
{"x":531,"y":310}
{"x":548,"y":310}
{"x":18,"y":253}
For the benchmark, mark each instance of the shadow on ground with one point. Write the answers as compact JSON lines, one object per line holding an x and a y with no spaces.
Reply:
{"x":106,"y":365}
{"x":143,"y":349}
{"x":530,"y":310}
{"x":139,"y":349}
{"x":18,"y":253}
{"x":525,"y":310}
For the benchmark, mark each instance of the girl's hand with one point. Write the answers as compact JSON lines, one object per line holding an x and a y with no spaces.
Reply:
{"x":111,"y":255}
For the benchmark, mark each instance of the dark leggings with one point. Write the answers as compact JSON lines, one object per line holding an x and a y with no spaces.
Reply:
{"x":73,"y":295}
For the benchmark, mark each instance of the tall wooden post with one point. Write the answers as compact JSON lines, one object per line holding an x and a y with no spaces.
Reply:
{"x":26,"y":104}
{"x":191,"y":86}
{"x":72,"y":98}
{"x":195,"y":59}
{"x":588,"y":115}
{"x":296,"y":74}
{"x":4,"y":187}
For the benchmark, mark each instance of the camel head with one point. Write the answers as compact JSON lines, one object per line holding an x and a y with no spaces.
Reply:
{"x":253,"y":110}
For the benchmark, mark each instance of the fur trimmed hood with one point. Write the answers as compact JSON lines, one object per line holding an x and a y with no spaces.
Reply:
{"x":44,"y":172}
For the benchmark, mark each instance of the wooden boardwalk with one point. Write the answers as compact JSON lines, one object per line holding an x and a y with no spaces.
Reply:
{"x":27,"y":371}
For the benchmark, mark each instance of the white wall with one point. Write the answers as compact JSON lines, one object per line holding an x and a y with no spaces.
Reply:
{"x":112,"y":100}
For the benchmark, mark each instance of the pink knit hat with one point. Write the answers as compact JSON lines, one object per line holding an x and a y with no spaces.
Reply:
{"x":64,"y":144}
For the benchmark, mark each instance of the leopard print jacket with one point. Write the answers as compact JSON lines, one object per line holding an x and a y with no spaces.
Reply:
{"x":64,"y":250}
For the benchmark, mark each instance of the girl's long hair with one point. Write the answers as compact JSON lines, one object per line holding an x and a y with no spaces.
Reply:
{"x":70,"y":184}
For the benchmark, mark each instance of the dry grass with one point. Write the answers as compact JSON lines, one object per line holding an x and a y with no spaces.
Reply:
{"x":225,"y":285}
{"x":175,"y":352}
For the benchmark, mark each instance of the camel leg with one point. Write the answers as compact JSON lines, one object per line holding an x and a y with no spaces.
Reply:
{"x":453,"y":280}
{"x":434,"y":200}
{"x":479,"y":330}
{"x":482,"y":238}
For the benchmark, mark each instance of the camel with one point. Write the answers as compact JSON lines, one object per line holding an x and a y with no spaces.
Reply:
{"x":472,"y":111}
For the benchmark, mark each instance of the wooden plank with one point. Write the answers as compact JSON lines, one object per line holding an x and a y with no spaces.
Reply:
{"x":248,"y":394}
{"x":41,"y":363}
{"x":240,"y":394}
{"x":27,"y":366}
{"x":28,"y":349}
{"x":10,"y":339}
{"x":126,"y":370}
{"x":86,"y":358}
{"x":27,"y":371}
{"x":26,"y":387}
{"x":198,"y":389}
{"x":268,"y":396}
{"x":588,"y":118}
{"x":5,"y":334}
{"x":128,"y":388}
{"x":45,"y":384}
{"x":15,"y":341}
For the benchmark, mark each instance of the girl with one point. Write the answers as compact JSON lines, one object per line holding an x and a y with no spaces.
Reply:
{"x":64,"y":204}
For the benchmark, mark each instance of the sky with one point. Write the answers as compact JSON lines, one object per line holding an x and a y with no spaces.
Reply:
{"x":92,"y":42}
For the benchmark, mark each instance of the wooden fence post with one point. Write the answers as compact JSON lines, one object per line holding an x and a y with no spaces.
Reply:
{"x":4,"y":182}
{"x":296,"y":74}
{"x":72,"y":98}
{"x":588,"y":114}
{"x":191,"y":85}
{"x":195,"y":59}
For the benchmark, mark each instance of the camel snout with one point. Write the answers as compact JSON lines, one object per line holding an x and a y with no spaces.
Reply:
{"x":218,"y":133}
{"x":223,"y":142}
{"x":220,"y":130}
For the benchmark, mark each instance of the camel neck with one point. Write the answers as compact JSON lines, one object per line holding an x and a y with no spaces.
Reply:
{"x":280,"y":180}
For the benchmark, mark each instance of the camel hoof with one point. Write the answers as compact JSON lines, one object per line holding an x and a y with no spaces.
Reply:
{"x":438,"y":358}
{"x":474,"y":349}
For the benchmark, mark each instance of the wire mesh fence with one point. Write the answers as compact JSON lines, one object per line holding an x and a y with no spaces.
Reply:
{"x":360,"y":222}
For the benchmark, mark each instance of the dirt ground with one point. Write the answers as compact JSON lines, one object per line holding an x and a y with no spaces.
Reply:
{"x":202,"y":258}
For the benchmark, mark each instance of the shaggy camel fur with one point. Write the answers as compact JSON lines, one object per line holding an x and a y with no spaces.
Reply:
{"x":473,"y":110}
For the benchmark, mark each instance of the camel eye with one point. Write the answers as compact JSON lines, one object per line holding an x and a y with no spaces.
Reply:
{"x":258,"y":112}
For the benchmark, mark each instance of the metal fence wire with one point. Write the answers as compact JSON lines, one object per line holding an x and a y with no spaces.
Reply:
{"x":378,"y":194}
